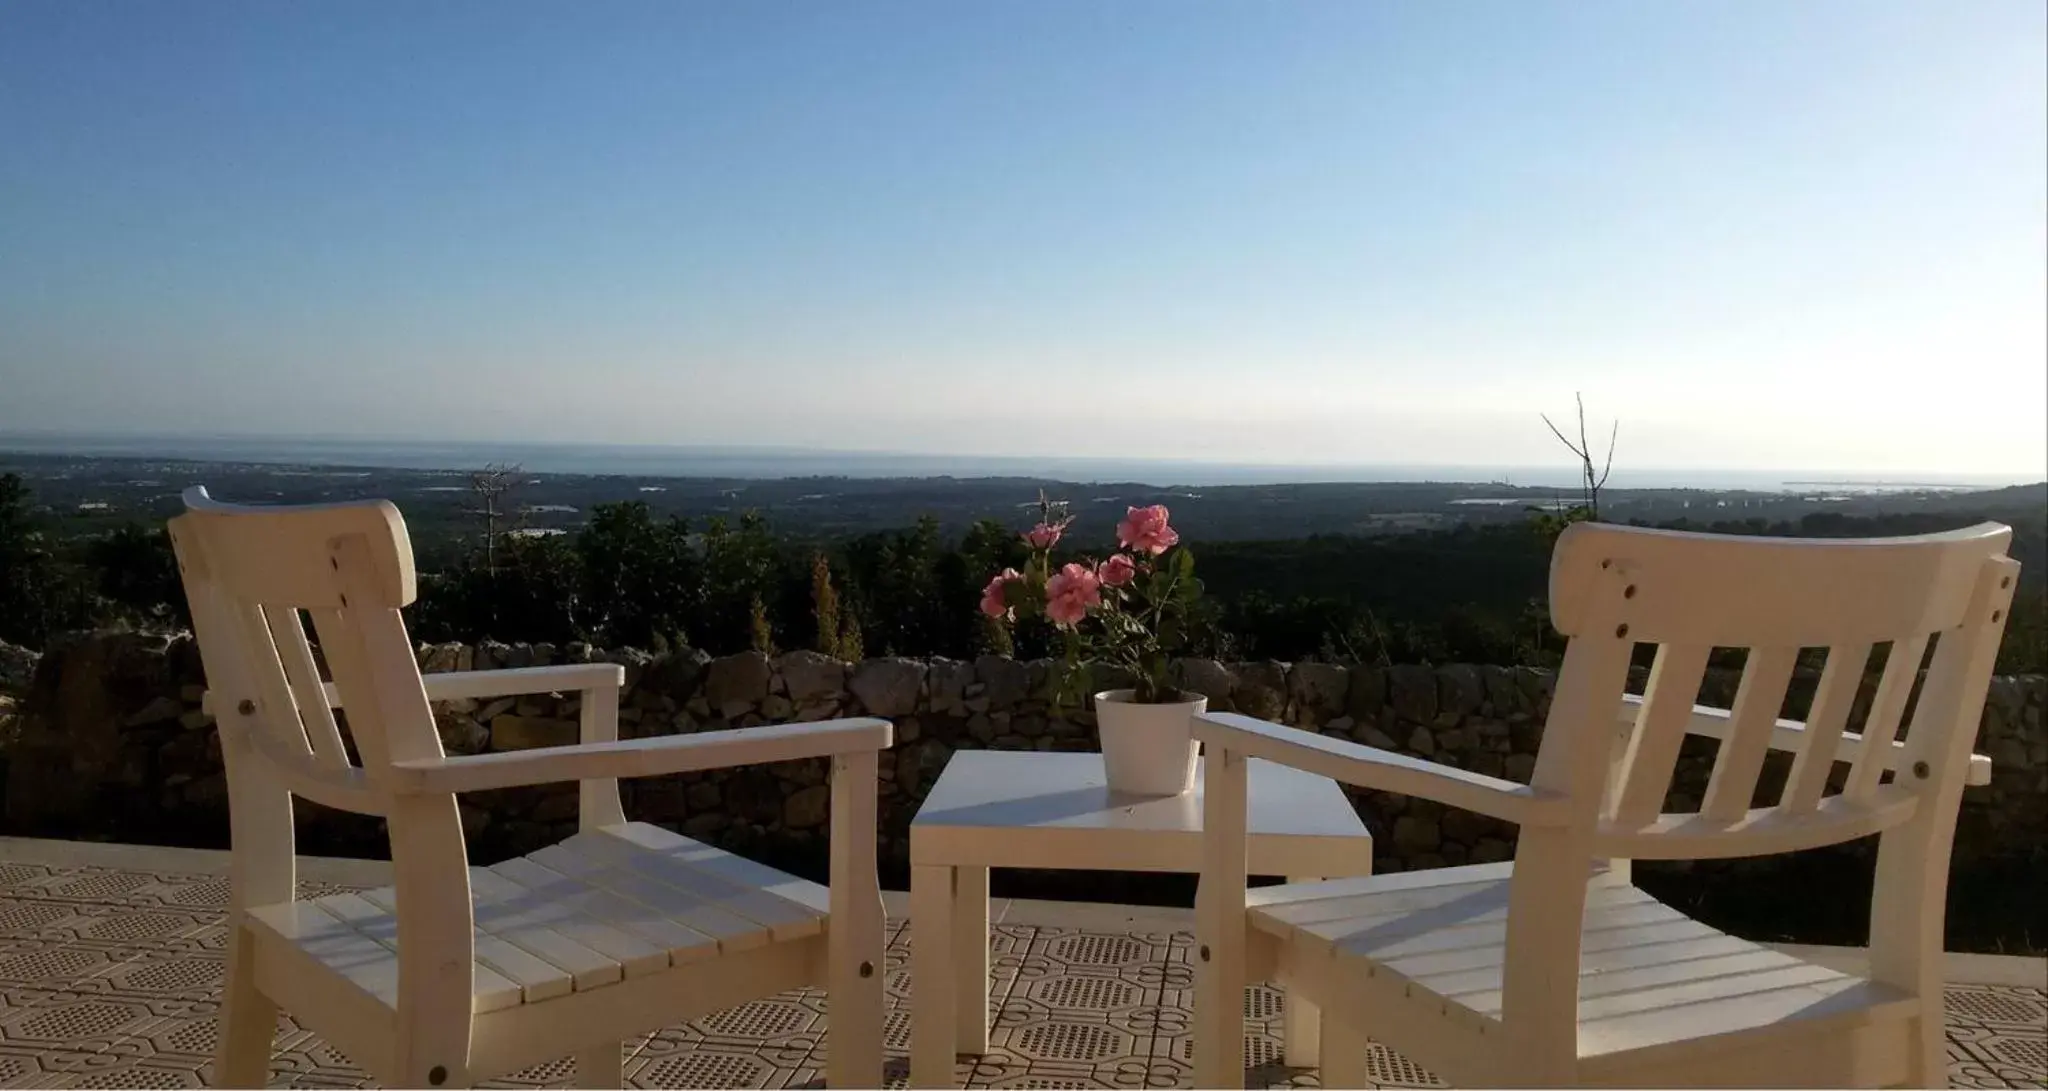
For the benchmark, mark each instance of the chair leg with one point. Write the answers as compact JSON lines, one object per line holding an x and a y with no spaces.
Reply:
{"x":933,"y":1030}
{"x":1344,"y":1052}
{"x":1303,"y":1032}
{"x":1302,"y":1027}
{"x":1930,"y":1050}
{"x":970,"y":960}
{"x":855,"y":998}
{"x":601,"y":1066}
{"x":248,"y":1021}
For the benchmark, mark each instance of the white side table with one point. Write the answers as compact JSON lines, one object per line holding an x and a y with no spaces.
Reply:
{"x":1037,"y":809}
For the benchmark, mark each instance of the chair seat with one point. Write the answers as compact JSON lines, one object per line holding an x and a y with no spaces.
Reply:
{"x":1649,"y":975}
{"x":619,"y":902}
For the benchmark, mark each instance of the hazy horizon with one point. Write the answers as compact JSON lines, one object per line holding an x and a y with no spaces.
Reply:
{"x":1766,"y":237}
{"x":762,"y":461}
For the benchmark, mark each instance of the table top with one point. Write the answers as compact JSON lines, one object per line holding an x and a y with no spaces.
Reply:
{"x":1042,"y":809}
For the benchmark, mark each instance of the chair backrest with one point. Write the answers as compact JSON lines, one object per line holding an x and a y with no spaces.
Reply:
{"x":253,"y":575}
{"x":1689,"y":594}
{"x":1612,"y":588}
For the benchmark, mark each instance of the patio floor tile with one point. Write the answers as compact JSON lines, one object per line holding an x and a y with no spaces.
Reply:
{"x":111,"y":978}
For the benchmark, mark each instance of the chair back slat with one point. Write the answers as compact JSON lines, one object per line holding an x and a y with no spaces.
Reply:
{"x":1758,"y":698}
{"x":1887,"y":711}
{"x":1653,"y":744}
{"x":248,"y":634}
{"x":383,"y":723}
{"x":348,"y":567}
{"x":303,"y":675}
{"x":1832,"y":700}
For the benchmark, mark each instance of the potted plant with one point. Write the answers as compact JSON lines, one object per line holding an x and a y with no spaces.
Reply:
{"x":1128,"y":611}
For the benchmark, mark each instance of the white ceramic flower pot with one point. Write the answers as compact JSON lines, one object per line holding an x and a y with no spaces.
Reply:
{"x":1147,"y":749}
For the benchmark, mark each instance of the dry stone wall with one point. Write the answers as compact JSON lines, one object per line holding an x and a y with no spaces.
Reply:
{"x":112,"y":744}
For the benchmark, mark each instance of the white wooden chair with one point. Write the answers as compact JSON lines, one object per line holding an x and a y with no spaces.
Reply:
{"x":1554,"y":970}
{"x":458,"y":973}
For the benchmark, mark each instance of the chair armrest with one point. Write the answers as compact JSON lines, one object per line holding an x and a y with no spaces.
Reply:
{"x":563,"y":678}
{"x":452,"y":685}
{"x":1383,"y":770}
{"x":657,"y":756}
{"x":1713,"y":723}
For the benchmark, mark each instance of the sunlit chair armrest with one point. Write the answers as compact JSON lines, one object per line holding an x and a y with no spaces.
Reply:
{"x":649,"y":757}
{"x":1382,"y":770}
{"x":562,"y":678}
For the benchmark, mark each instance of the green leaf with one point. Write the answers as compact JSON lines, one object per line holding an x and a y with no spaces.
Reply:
{"x":1184,"y":564}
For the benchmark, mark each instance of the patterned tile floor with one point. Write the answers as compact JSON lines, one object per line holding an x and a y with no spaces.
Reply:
{"x":111,"y":977}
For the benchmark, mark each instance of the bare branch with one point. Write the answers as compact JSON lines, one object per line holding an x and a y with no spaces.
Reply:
{"x":1612,"y":435}
{"x":1560,"y":435}
{"x":1592,"y":475}
{"x":1585,"y":447}
{"x":490,"y":486}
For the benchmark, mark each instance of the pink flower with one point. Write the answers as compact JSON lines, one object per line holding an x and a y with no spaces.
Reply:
{"x":1145,"y":530}
{"x":1070,"y":593}
{"x":1118,"y":570}
{"x":1044,"y":535}
{"x":992,"y":601}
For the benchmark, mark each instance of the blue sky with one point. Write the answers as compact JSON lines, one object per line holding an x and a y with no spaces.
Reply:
{"x":1773,"y":235}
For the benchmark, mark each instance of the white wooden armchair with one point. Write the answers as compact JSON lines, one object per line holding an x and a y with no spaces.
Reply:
{"x":456,"y":974}
{"x":1554,"y":970}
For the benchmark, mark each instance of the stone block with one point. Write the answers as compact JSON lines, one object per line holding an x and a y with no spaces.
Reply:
{"x":734,"y":679}
{"x":440,"y":658}
{"x":1366,"y":694}
{"x":1261,"y":701}
{"x":812,"y":676}
{"x":158,"y":710}
{"x":1499,"y":684}
{"x":1414,"y":835}
{"x":888,"y":687}
{"x":948,"y":681}
{"x":807,"y":808}
{"x":515,"y":732}
{"x":1006,"y":680}
{"x":461,"y":734}
{"x":1411,"y":691}
{"x":1319,"y":690}
{"x":1459,"y":690}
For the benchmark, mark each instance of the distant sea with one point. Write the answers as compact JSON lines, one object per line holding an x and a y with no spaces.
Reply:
{"x":781,"y":462}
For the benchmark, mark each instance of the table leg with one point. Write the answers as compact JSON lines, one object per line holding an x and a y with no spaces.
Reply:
{"x":970,"y":959}
{"x":1344,"y":1058}
{"x":932,"y":950}
{"x":1302,"y":1034}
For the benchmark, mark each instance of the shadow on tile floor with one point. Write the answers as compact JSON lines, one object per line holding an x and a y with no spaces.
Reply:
{"x":110,"y":978}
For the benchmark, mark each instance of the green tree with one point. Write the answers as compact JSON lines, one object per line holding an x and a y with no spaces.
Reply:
{"x":837,"y":626}
{"x":39,"y":594}
{"x":640,"y":576}
{"x":761,"y":635}
{"x":741,"y":577}
{"x":137,"y":575}
{"x":824,"y":606}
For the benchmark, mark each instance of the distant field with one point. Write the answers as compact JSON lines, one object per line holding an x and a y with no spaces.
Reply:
{"x":89,"y":494}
